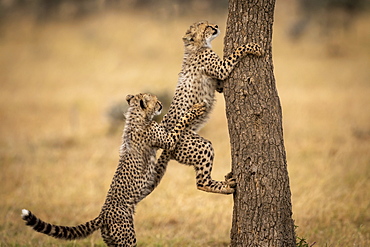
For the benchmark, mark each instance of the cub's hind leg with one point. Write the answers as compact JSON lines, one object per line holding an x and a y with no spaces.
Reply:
{"x":194,"y":150}
{"x":118,"y":231}
{"x":159,"y":170}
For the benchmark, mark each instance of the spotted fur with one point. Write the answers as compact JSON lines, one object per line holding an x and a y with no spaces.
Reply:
{"x":134,"y":175}
{"x":198,"y":81}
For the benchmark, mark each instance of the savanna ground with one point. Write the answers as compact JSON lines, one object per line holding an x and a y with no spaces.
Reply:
{"x":58,"y":79}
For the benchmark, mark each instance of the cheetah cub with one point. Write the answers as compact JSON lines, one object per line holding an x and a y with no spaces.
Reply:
{"x":198,"y":82}
{"x":133,"y":177}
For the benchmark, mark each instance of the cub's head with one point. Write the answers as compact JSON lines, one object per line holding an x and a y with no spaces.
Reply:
{"x":144,"y":105}
{"x":200,"y":35}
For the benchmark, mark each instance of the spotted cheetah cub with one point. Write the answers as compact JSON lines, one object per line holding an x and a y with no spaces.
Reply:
{"x":133,"y":177}
{"x":198,"y":82}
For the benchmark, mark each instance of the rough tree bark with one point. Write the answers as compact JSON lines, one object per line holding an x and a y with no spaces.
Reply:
{"x":262,"y":213}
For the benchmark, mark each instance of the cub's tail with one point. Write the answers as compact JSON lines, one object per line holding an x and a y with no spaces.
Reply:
{"x":62,"y":232}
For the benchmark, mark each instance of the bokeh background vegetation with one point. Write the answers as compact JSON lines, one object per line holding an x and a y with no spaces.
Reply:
{"x":66,"y":65}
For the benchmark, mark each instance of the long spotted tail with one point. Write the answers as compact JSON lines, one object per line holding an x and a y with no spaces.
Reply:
{"x":62,"y":232}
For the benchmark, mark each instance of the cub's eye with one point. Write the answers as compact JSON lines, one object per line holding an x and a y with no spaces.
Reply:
{"x":213,"y":27}
{"x":142,"y":104}
{"x":191,"y":39}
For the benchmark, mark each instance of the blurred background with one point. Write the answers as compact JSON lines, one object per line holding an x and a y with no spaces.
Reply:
{"x":66,"y":67}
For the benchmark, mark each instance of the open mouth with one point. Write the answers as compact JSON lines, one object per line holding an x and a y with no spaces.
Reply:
{"x":159,"y":110}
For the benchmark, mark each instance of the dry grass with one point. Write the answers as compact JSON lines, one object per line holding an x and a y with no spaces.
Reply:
{"x":58,"y":79}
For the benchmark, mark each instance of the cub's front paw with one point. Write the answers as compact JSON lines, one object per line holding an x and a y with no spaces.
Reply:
{"x":198,"y":109}
{"x":230,"y":180}
{"x":256,"y":49}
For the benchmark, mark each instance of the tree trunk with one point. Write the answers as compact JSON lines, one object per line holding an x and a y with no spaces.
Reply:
{"x":262,"y":213}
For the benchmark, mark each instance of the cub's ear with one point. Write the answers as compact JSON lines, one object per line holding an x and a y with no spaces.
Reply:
{"x":129,"y":98}
{"x":188,"y":37}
